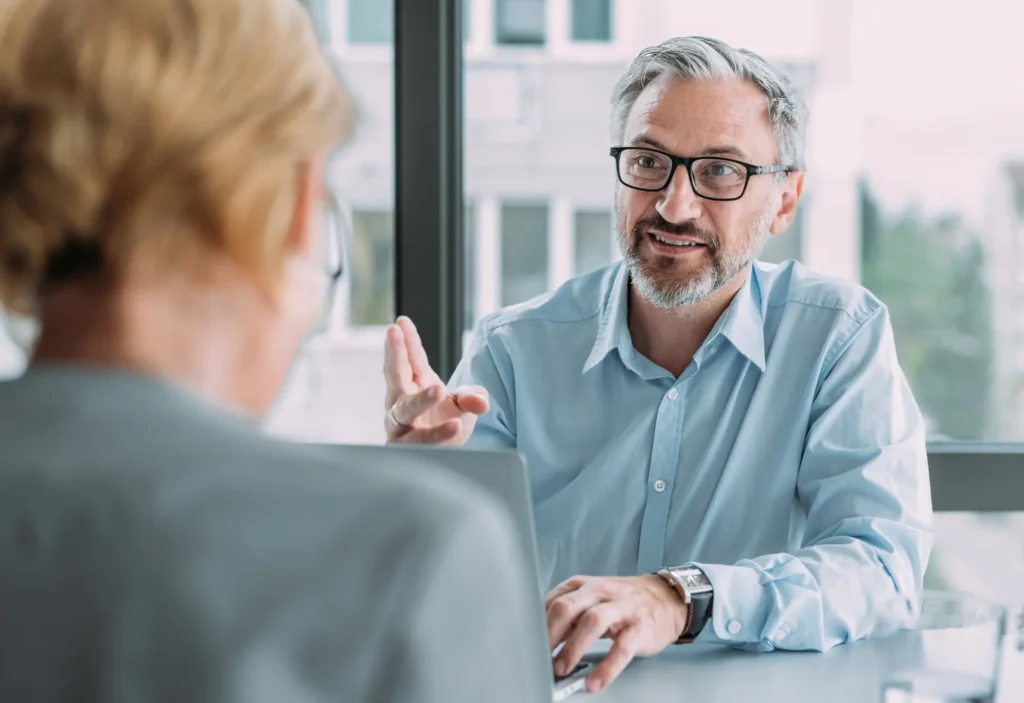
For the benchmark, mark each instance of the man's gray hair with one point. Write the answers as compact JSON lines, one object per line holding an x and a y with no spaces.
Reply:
{"x":701,"y":58}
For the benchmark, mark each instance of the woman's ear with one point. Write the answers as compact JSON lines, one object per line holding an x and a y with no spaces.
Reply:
{"x":306,"y":223}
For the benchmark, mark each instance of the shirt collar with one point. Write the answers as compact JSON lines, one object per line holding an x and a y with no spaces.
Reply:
{"x":742,"y":323}
{"x":613,"y":318}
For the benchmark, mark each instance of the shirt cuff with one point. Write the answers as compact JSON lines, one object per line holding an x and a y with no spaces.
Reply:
{"x":738,"y":610}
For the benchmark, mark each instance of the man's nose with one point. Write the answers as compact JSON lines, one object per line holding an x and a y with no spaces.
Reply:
{"x":678,"y":201}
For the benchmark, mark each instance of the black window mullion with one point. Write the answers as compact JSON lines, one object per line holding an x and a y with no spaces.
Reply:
{"x":428,"y":174}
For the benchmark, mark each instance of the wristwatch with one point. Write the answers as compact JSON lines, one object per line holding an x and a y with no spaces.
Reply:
{"x":694,"y":587}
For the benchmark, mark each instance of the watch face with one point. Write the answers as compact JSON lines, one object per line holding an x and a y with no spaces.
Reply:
{"x":695,"y":579}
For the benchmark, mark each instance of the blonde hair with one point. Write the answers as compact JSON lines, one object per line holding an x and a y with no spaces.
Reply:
{"x":175,"y":123}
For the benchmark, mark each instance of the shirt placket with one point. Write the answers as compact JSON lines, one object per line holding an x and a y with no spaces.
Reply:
{"x":668,"y":430}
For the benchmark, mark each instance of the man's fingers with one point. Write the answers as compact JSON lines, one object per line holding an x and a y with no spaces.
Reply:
{"x":397,"y":368}
{"x":621,"y":653}
{"x":563,"y":612}
{"x":409,"y":408}
{"x":590,"y":627}
{"x":567,"y":586}
{"x":472,"y":399}
{"x":421,"y":371}
{"x":438,"y":434}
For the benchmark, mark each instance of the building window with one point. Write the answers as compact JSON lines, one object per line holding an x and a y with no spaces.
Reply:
{"x":524,"y":252}
{"x":593,"y":245}
{"x":321,"y":21}
{"x":371,"y":21}
{"x":519,"y":22}
{"x":592,"y":20}
{"x":372,"y":269}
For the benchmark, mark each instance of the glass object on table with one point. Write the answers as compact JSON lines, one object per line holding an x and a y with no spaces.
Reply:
{"x":962,"y":637}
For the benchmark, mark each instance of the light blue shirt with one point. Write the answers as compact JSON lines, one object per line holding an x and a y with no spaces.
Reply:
{"x":788,"y":461}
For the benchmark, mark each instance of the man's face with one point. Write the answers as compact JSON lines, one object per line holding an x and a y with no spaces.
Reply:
{"x":688,"y":119}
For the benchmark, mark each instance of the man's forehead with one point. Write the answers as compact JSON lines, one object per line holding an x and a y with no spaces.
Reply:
{"x":694,"y":114}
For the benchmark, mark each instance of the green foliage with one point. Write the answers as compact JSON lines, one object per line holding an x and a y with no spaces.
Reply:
{"x":931,"y":273}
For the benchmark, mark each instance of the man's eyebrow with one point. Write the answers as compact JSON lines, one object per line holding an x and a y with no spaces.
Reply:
{"x":723,"y":150}
{"x":644,"y":140}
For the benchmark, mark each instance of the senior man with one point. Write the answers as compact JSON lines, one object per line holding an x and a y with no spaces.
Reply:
{"x":719,"y":449}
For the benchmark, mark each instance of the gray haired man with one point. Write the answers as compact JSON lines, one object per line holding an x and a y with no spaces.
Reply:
{"x":720,"y":450}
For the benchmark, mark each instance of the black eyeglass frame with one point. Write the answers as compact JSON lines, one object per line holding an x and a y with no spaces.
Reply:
{"x":336,"y":235}
{"x":687,"y":162}
{"x":336,"y":231}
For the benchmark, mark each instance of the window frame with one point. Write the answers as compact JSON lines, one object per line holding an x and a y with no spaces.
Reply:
{"x":429,"y":191}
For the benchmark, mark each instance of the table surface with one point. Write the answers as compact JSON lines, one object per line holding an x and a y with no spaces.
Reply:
{"x":850,"y":673}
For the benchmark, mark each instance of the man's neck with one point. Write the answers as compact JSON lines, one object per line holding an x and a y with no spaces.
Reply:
{"x":671,"y":338}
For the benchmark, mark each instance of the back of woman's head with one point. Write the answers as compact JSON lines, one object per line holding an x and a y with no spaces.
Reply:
{"x":177,"y":125}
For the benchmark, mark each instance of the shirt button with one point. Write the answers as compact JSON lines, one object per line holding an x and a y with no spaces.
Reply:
{"x":673,"y":394}
{"x":734,"y":627}
{"x":659,"y":486}
{"x":712,"y":349}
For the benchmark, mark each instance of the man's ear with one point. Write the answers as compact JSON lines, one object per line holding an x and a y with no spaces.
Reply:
{"x":303,"y":230}
{"x":792,"y":189}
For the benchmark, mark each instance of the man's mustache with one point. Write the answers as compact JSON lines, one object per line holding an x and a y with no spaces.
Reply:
{"x":682,"y":229}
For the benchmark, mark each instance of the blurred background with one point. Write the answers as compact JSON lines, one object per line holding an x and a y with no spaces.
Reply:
{"x":915,"y":189}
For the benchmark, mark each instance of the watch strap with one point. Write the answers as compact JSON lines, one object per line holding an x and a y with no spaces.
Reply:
{"x":701,"y":605}
{"x":696,"y":591}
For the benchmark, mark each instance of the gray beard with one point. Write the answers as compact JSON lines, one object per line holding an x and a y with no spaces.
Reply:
{"x":668,"y":297}
{"x":716,"y":274}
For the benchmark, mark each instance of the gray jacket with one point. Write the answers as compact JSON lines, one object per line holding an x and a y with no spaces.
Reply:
{"x":158,"y":548}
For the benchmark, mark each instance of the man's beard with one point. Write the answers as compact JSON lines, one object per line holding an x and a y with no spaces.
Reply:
{"x":664,"y":287}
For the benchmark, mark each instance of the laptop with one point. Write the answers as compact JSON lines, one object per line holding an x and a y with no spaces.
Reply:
{"x":502,"y":473}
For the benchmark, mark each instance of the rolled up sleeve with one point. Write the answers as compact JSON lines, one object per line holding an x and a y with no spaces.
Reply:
{"x":863,"y":484}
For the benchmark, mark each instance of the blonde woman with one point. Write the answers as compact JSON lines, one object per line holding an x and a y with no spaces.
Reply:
{"x":162,"y":206}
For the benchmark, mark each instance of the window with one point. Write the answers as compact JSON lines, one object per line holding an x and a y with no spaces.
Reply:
{"x":371,"y":258}
{"x":592,"y":20}
{"x":318,"y":11}
{"x":946,"y":255}
{"x":370,"y":21}
{"x":338,"y":375}
{"x":519,"y":22}
{"x":594,"y":240}
{"x":524,"y":252}
{"x":918,"y":197}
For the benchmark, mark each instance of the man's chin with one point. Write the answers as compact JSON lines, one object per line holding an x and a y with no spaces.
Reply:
{"x":668,"y":294}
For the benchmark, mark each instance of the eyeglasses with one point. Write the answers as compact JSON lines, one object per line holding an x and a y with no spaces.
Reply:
{"x":712,"y":177}
{"x":335,"y":231}
{"x":334,"y":237}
